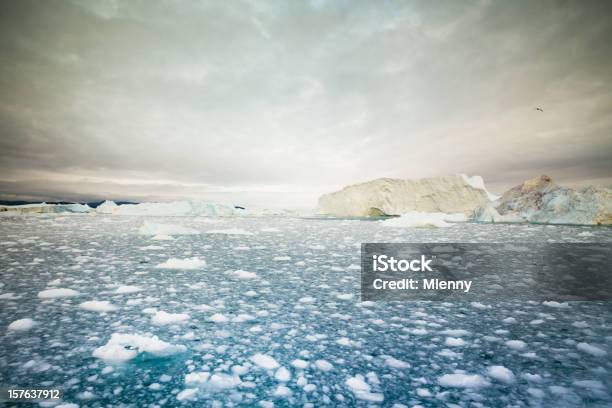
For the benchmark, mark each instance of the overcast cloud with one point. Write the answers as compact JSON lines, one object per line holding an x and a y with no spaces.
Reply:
{"x":281,"y":101}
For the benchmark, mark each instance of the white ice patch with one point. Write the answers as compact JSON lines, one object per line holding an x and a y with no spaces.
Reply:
{"x":282,"y":374}
{"x":151,"y":228}
{"x":123,"y":347}
{"x":21,"y":324}
{"x":516,"y":344}
{"x":361,"y":389}
{"x":215,"y":382}
{"x":590,"y":349}
{"x":57,"y":293}
{"x":458,"y":380}
{"x":240,"y":274}
{"x":122,"y":290}
{"x":501,"y":373}
{"x":188,"y":263}
{"x":101,"y":306}
{"x":161,"y":318}
{"x":424,"y":219}
{"x":324,"y":365}
{"x":265,"y":361}
{"x":395,"y":363}
{"x":219,"y":318}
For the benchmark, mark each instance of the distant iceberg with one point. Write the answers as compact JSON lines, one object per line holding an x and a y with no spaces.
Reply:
{"x":44,"y":208}
{"x":174,"y":208}
{"x":449,"y":194}
{"x":539,"y":200}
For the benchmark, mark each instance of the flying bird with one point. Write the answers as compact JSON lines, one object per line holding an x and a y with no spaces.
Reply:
{"x":540,"y":109}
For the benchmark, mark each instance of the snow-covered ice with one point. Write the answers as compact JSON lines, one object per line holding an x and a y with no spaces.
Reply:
{"x":98,"y":306}
{"x":21,"y":324}
{"x":188,"y":263}
{"x":254,"y":328}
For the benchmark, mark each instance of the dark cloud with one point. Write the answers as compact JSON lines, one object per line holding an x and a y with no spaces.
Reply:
{"x":298,"y":96}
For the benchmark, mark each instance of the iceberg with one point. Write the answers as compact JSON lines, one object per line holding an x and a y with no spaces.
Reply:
{"x":44,"y":208}
{"x":539,"y":200}
{"x":173,"y":208}
{"x":449,"y":194}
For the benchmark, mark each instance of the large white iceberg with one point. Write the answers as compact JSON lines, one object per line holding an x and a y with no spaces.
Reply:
{"x":449,"y":194}
{"x":173,"y":208}
{"x":539,"y":200}
{"x":44,"y":208}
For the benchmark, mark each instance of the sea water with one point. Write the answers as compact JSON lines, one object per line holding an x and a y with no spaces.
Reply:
{"x":266,"y":311}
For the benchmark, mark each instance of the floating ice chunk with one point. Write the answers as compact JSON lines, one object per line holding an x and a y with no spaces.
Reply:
{"x":214,"y":382}
{"x":21,"y":325}
{"x":188,"y":394}
{"x":240,"y":274}
{"x":221,"y":381}
{"x":395,"y":363}
{"x":282,"y":391}
{"x":219,"y":318}
{"x":230,"y":231}
{"x":501,"y":373}
{"x":463,"y":381}
{"x":98,"y":306}
{"x":188,"y":263}
{"x":151,"y":228}
{"x":345,"y":296}
{"x":265,"y":361}
{"x":282,"y":374}
{"x":68,"y":405}
{"x":281,"y":258}
{"x":324,"y":365}
{"x":590,"y":349}
{"x":306,"y":299}
{"x":593,"y":385}
{"x":448,"y":353}
{"x":162,"y":318}
{"x":299,"y":364}
{"x":454,"y":342}
{"x":423,"y":392}
{"x":197,"y":378}
{"x":455,"y":332}
{"x":516,"y":344}
{"x":344,"y":341}
{"x":361,"y":389}
{"x":535,"y":392}
{"x":123,"y":347}
{"x":57,"y":293}
{"x":424,"y":219}
{"x":557,"y":305}
{"x":122,"y":290}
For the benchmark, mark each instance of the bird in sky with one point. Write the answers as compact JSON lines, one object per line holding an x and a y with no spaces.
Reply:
{"x":539,"y":109}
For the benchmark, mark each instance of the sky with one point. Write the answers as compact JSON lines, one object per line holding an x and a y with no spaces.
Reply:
{"x":272,"y":103}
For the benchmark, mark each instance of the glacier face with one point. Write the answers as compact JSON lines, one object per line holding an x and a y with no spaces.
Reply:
{"x":273,"y":317}
{"x":539,"y":200}
{"x":43,"y":208}
{"x":448,"y":194}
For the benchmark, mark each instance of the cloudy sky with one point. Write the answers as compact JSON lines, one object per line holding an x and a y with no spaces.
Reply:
{"x":270,"y":102}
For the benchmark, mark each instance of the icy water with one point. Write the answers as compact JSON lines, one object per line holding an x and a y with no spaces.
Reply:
{"x":274,"y":317}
